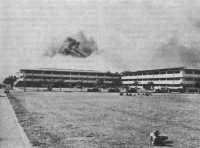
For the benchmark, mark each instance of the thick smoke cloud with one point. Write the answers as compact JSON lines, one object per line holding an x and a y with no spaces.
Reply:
{"x":79,"y":46}
{"x":174,"y":53}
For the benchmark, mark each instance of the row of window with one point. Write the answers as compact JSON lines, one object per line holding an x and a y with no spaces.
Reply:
{"x":166,"y":85}
{"x":162,"y":79}
{"x":192,"y":72}
{"x":187,"y":71}
{"x":63,"y":76}
{"x":58,"y":85}
{"x":192,"y":79}
{"x":70,"y":81}
{"x":151,"y":79}
{"x":175,"y":85}
{"x":70,"y":73}
{"x":66,"y":78}
{"x":189,"y":85}
{"x":151,"y":73}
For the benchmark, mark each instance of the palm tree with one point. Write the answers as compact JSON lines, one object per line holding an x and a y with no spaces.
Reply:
{"x":10,"y":81}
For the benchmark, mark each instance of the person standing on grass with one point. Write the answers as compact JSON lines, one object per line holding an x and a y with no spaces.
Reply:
{"x":154,"y":136}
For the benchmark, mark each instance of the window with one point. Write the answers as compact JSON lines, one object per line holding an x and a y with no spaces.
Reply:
{"x":197,"y":72}
{"x":30,"y":77}
{"x":189,"y":85}
{"x":173,"y":71}
{"x":47,"y":72}
{"x":162,"y":79}
{"x":189,"y":79}
{"x":84,"y":74}
{"x":74,"y":73}
{"x":173,"y":78}
{"x":37,"y":72}
{"x":156,"y":72}
{"x":188,"y":71}
{"x":67,"y":78}
{"x":162,"y":72}
{"x":127,"y":80}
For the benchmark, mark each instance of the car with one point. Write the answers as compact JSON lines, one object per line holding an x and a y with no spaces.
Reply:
{"x":93,"y":90}
{"x":113,"y":90}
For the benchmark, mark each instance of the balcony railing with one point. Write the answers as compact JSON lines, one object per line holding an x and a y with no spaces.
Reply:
{"x":153,"y":76}
{"x":72,"y":76}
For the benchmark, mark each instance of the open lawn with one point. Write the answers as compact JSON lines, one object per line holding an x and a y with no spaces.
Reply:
{"x":107,"y":120}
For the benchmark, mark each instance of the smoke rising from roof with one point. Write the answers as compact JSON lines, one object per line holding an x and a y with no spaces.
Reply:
{"x":78,"y":46}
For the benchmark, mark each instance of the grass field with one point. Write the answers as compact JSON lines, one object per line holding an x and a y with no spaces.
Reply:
{"x":106,"y":120}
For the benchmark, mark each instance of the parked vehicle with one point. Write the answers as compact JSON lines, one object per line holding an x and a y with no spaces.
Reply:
{"x":93,"y":90}
{"x":113,"y":90}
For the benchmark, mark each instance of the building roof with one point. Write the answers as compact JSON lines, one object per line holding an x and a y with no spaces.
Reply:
{"x":63,"y":70}
{"x":192,"y":68}
{"x":163,"y":69}
{"x":159,"y":69}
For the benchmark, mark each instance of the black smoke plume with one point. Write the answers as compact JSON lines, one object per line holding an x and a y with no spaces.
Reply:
{"x":79,"y":46}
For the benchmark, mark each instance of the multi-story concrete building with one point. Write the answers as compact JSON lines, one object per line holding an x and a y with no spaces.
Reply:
{"x":65,"y":78}
{"x":179,"y":78}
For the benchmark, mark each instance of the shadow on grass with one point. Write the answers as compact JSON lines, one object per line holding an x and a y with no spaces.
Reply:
{"x":163,"y":141}
{"x":168,"y":143}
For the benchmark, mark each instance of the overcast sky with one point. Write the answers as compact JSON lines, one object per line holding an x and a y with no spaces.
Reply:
{"x":130,"y":34}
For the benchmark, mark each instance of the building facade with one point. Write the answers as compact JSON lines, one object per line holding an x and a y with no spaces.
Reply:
{"x":65,"y":78}
{"x":179,"y":78}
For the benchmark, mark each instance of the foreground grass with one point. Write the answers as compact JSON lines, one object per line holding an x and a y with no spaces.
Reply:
{"x":98,"y":120}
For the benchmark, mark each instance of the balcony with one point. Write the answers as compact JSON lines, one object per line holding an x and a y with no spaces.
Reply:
{"x":153,"y":76}
{"x":68,"y":76}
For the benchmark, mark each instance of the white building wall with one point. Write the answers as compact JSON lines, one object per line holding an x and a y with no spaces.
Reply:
{"x":54,"y":76}
{"x":73,"y":76}
{"x":153,"y":76}
{"x":145,"y":79}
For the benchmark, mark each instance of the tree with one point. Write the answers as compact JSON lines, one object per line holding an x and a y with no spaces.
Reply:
{"x":197,"y":84}
{"x":79,"y":84}
{"x":48,"y":83}
{"x":100,"y":83}
{"x":60,"y":84}
{"x":149,"y":86}
{"x":116,"y":83}
{"x":10,"y":81}
{"x":38,"y":84}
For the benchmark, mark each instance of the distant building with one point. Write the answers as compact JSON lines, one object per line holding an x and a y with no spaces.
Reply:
{"x":173,"y":79}
{"x":65,"y":78}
